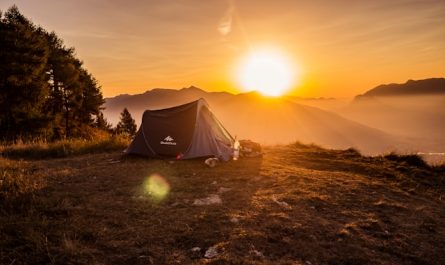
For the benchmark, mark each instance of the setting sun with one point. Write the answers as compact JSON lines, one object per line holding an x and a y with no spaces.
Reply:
{"x":268,"y":72}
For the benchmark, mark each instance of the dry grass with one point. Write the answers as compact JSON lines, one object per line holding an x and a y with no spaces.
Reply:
{"x":64,"y":148}
{"x":298,"y":205}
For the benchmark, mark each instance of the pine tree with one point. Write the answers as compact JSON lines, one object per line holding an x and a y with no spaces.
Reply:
{"x":127,"y":124}
{"x":44,"y":88}
{"x":65,"y":94}
{"x":23,"y":83}
{"x":102,"y":123}
{"x":75,"y":95}
{"x":91,"y":97}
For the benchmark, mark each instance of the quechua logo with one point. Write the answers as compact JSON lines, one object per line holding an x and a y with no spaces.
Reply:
{"x":168,"y":141}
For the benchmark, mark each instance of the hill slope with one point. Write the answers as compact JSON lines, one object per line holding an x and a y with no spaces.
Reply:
{"x":413,"y":111}
{"x":297,"y":205}
{"x":411,"y":87}
{"x":157,"y":98}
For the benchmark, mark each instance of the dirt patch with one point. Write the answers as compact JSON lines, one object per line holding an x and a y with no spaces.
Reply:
{"x":296,"y":205}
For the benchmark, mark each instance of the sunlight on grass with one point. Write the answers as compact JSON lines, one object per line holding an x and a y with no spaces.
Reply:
{"x":156,"y":187}
{"x":64,"y":148}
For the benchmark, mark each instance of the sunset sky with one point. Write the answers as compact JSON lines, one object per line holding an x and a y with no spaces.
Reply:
{"x":342,"y":48}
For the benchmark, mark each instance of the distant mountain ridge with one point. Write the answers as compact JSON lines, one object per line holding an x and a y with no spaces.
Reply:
{"x":411,"y":87}
{"x":158,"y":98}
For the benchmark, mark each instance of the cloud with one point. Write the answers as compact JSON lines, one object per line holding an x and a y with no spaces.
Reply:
{"x":225,"y":24}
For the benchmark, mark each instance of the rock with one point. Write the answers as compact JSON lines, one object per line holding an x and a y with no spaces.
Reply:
{"x":211,"y":253}
{"x":196,"y":249}
{"x":222,"y":189}
{"x":257,"y":253}
{"x":281,"y":203}
{"x":212,"y":199}
{"x":234,"y":220}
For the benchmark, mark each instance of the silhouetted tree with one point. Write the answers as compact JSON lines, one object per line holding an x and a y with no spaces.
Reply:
{"x":92,"y":97}
{"x":127,"y":124}
{"x":44,"y":89}
{"x":23,"y":81}
{"x":102,"y":123}
{"x":74,"y":93}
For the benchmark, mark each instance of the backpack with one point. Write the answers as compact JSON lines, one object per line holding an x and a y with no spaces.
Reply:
{"x":250,"y":149}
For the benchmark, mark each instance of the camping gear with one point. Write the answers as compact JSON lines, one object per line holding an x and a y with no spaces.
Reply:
{"x":250,"y":148}
{"x":182,"y":132}
{"x":236,"y":147}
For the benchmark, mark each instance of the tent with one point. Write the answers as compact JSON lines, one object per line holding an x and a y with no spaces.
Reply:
{"x":185,"y":131}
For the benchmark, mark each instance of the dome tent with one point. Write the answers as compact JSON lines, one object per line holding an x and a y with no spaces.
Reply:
{"x":185,"y":131}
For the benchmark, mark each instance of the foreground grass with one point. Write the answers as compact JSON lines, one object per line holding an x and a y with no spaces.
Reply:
{"x":298,"y":205}
{"x":16,"y":179}
{"x":64,"y":148}
{"x":19,"y":177}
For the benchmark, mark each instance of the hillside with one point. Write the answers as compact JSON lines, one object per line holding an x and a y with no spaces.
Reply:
{"x":298,"y":205}
{"x":266,"y":120}
{"x":410,"y":88}
{"x":413,"y":111}
{"x":277,"y":121}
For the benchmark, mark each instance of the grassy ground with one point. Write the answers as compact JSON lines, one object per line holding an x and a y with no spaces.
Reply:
{"x":64,"y":148}
{"x":297,"y":205}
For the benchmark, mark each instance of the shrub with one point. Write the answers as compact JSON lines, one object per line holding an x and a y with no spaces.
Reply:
{"x":351,"y":152}
{"x":411,"y":159}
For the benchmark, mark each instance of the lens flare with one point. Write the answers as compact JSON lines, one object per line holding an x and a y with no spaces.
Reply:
{"x":156,"y":187}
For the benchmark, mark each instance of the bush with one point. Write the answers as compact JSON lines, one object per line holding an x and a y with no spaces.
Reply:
{"x":411,"y":159}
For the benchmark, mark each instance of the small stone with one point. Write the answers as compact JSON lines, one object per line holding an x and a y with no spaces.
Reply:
{"x":281,"y":203}
{"x":257,"y":253}
{"x":212,"y":199}
{"x":222,"y":189}
{"x":196,"y":249}
{"x":211,"y":253}
{"x":234,"y":220}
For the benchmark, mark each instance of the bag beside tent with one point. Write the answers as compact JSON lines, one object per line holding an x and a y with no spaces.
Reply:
{"x":185,"y":131}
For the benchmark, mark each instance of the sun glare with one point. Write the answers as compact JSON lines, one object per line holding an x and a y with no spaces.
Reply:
{"x":266,"y":71}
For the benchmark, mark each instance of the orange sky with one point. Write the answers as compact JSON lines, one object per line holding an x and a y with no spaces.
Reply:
{"x":343,"y":47}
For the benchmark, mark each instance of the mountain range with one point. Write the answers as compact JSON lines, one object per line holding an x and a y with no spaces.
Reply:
{"x":373,"y":126}
{"x":429,"y":86}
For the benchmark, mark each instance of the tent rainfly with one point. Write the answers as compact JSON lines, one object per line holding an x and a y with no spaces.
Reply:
{"x":185,"y":131}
